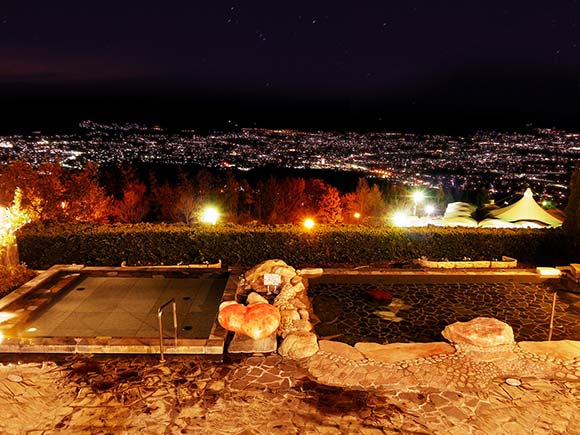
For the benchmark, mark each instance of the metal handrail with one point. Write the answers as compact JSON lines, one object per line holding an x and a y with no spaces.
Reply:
{"x":160,"y":320}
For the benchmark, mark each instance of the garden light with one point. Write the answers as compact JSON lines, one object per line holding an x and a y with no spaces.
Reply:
{"x":400,"y":219}
{"x":308,"y":223}
{"x":418,"y":197}
{"x":210,"y":215}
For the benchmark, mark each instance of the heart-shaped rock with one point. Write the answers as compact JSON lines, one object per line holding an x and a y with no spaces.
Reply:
{"x":255,"y":321}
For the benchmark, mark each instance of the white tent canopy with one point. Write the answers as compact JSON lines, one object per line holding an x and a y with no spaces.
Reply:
{"x":526,"y":209}
{"x":495,"y":223}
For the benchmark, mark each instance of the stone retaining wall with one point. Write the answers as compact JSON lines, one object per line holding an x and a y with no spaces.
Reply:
{"x":505,"y":263}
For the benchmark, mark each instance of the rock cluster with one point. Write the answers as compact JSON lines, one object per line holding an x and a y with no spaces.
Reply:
{"x":296,"y":328}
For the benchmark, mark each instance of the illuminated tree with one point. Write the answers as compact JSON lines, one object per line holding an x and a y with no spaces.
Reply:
{"x":293,"y":203}
{"x":133,"y":206}
{"x":366,"y":200}
{"x":13,"y":218}
{"x":86,"y":200}
{"x":330,"y":211}
{"x":42,"y":188}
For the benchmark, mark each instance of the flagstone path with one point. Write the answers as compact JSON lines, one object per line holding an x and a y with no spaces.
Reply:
{"x":264,"y":395}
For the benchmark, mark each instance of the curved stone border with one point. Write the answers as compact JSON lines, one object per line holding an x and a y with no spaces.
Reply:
{"x":481,"y":350}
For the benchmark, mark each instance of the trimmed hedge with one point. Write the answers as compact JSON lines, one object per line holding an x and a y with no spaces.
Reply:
{"x":12,"y":277}
{"x":155,"y":244}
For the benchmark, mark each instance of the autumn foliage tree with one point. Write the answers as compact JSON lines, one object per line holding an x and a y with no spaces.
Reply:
{"x":12,"y":218}
{"x":330,"y":209}
{"x":86,"y":199}
{"x":365,"y":200}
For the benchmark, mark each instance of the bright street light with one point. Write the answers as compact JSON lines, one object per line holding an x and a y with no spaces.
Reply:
{"x":418,"y":197}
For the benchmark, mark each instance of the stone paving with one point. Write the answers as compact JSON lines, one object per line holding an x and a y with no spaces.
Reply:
{"x":264,"y":395}
{"x":419,"y":312}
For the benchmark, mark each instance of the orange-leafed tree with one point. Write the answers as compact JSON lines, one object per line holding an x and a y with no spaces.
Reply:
{"x":42,"y":188}
{"x":330,"y":208}
{"x":12,"y":218}
{"x":132,"y":207}
{"x":365,"y":200}
{"x":86,"y":200}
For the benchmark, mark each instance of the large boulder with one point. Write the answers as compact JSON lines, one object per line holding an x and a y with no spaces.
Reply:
{"x":255,"y":276}
{"x":299,"y":345}
{"x":481,"y":331}
{"x":256,"y":321}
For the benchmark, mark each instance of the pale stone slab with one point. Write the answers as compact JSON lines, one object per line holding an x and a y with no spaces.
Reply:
{"x":299,"y":345}
{"x":311,"y":272}
{"x":341,"y":349}
{"x":562,"y":349}
{"x":481,"y":331}
{"x":397,"y":352}
{"x":244,"y":344}
{"x":548,"y":271}
{"x":255,"y":298}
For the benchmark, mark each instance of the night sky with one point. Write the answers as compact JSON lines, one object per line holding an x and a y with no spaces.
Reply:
{"x":378,"y":65}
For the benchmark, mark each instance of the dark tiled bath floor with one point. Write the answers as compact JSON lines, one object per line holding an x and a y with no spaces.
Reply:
{"x":419,"y":312}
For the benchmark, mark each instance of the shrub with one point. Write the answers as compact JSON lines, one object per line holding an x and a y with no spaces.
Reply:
{"x":143,"y":244}
{"x":12,"y":277}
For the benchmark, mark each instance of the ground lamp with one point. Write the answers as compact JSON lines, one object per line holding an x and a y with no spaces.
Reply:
{"x":308,"y":223}
{"x":210,"y":215}
{"x":400,"y":219}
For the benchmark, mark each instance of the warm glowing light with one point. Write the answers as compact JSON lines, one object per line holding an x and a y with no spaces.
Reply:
{"x":356,"y":215}
{"x":33,"y":329}
{"x":210,"y":215}
{"x":308,"y":223}
{"x":6,"y":316}
{"x":429,"y":209}
{"x":545,"y":203}
{"x":400,"y":219}
{"x":418,"y":196}
{"x":12,"y":218}
{"x":548,"y":271}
